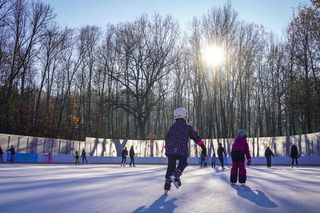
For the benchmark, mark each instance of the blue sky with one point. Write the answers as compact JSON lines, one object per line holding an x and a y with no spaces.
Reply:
{"x":273,"y":14}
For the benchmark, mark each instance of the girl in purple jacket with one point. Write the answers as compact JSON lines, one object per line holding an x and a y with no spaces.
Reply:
{"x":177,"y":139}
{"x":240,"y":149}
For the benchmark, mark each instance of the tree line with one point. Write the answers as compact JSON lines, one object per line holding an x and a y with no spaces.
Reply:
{"x":125,"y":80}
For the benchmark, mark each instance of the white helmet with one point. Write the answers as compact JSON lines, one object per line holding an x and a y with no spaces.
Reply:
{"x":180,"y":113}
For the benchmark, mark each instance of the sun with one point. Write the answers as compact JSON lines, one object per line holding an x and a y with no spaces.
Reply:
{"x":213,"y":55}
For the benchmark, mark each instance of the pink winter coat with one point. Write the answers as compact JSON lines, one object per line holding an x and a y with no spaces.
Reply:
{"x":240,"y":145}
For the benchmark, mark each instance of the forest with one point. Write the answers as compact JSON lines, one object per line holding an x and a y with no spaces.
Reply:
{"x":125,"y":80}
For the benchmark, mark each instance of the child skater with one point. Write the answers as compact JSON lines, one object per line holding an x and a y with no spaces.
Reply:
{"x":240,"y":149}
{"x":203,"y":160}
{"x":84,"y":156}
{"x":176,"y":147}
{"x":77,"y":158}
{"x":49,"y":157}
{"x":213,"y":159}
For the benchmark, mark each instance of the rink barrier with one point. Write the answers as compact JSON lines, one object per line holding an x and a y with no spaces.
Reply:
{"x":308,"y":145}
{"x":23,"y":158}
{"x":69,"y":159}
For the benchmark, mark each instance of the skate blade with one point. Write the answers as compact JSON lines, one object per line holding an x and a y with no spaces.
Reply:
{"x":172,"y":177}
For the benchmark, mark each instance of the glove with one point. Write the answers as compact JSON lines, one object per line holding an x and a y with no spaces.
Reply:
{"x":249,"y":162}
{"x":204,"y":150}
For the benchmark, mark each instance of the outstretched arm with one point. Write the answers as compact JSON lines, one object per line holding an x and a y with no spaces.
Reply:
{"x":196,"y":138}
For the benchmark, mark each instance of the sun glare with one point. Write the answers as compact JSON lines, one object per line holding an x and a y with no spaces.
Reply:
{"x":213,"y":55}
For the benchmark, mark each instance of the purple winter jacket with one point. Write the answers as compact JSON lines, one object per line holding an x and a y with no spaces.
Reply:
{"x":240,"y":145}
{"x":177,"y":138}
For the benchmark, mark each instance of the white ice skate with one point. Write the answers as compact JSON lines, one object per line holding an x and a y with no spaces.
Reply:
{"x":166,"y":192}
{"x":175,"y":183}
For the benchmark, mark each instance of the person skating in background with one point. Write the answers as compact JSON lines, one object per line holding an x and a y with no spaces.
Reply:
{"x":12,"y":153}
{"x":1,"y":155}
{"x":124,"y":156}
{"x":240,"y":150}
{"x":84,"y":156}
{"x":294,"y":155}
{"x":49,"y":158}
{"x":203,"y":160}
{"x":268,"y":153}
{"x":131,"y":154}
{"x":176,"y":147}
{"x":77,"y":161}
{"x":213,"y":159}
{"x":221,"y":154}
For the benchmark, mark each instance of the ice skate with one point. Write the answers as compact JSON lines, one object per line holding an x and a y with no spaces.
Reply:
{"x":176,"y":181}
{"x":167,"y":186}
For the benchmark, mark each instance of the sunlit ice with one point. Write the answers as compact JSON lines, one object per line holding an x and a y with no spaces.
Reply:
{"x":213,"y":55}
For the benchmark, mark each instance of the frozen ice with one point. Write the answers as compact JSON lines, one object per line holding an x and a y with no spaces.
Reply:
{"x":111,"y":188}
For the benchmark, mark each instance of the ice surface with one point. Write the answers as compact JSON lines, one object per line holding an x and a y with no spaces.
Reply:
{"x":111,"y":188}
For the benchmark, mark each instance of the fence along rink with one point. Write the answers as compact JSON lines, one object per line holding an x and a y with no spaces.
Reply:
{"x":308,"y":145}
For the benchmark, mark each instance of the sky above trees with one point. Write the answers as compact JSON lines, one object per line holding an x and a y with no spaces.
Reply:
{"x":273,"y":14}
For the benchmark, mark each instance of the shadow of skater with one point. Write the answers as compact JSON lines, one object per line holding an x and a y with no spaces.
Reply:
{"x":159,"y":205}
{"x":255,"y":196}
{"x":219,"y":169}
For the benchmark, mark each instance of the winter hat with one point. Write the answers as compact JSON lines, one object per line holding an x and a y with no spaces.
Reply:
{"x":242,"y":133}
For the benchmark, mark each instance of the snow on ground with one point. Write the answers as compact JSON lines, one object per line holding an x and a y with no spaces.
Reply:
{"x":111,"y":188}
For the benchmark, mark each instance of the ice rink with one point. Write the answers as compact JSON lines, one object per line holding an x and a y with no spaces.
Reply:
{"x":111,"y":188}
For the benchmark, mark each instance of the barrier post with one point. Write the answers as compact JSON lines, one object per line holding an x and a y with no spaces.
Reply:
{"x":8,"y":146}
{"x":44,"y":146}
{"x":18,"y":144}
{"x":27,"y":145}
{"x":59,"y":147}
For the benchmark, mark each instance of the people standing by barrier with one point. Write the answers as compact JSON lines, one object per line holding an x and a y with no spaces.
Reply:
{"x":221,"y":154}
{"x":49,"y":157}
{"x":294,"y":155}
{"x":131,"y":154}
{"x":203,"y":160}
{"x":268,"y":153}
{"x":77,"y":158}
{"x":213,"y":159}
{"x":124,"y":156}
{"x":1,"y":155}
{"x":84,"y":156}
{"x":12,"y":153}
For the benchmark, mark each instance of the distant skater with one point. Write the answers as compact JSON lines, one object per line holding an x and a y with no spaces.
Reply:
{"x":203,"y":160}
{"x":12,"y":153}
{"x":294,"y":155}
{"x":77,"y":158}
{"x":49,"y":158}
{"x":177,"y":140}
{"x":124,"y":156}
{"x":213,"y":159}
{"x":131,"y":154}
{"x":268,"y":153}
{"x":221,"y":154}
{"x":240,"y":149}
{"x":84,"y":156}
{"x":1,"y":155}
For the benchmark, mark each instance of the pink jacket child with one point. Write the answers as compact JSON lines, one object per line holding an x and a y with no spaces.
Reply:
{"x":240,"y":149}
